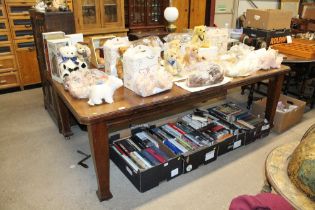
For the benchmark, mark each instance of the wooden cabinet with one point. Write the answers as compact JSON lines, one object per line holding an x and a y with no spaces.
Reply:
{"x":22,"y":43}
{"x":99,"y":16}
{"x":194,"y":13}
{"x":144,"y":15}
{"x":47,"y":22}
{"x":28,"y":66}
{"x":9,"y":76}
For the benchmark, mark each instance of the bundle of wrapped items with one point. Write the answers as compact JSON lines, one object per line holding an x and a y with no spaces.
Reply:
{"x":112,"y":54}
{"x":282,"y":107}
{"x":242,"y":60}
{"x":143,"y":73}
{"x":93,"y":84}
{"x":150,"y":41}
{"x":204,"y":74}
{"x":78,"y":82}
{"x":174,"y":52}
{"x":182,"y":50}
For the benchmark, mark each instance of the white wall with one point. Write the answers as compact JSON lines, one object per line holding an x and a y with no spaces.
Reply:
{"x":267,"y":4}
{"x":235,"y":8}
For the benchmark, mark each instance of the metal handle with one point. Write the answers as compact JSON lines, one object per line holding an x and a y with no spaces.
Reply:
{"x":28,"y":26}
{"x":3,"y":81}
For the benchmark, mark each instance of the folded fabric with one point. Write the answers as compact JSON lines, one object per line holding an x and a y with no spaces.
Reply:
{"x":263,"y":201}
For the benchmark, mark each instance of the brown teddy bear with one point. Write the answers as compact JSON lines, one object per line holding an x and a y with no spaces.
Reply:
{"x":173,"y":62}
{"x":83,"y":52}
{"x":191,"y":56}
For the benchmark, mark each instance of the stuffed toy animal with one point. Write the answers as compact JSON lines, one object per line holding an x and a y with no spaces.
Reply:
{"x":119,"y":65}
{"x":174,"y":44}
{"x":199,"y":38}
{"x":83,"y":52}
{"x":191,"y":56}
{"x":41,"y":6}
{"x":79,"y":83}
{"x":173,"y":62}
{"x":104,"y":91}
{"x":69,"y":61}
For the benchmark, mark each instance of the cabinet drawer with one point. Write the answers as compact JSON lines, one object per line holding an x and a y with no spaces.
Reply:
{"x":4,"y":26}
{"x":2,"y":12}
{"x":22,"y":33}
{"x":19,"y":1}
{"x":24,"y":44}
{"x":5,"y":37}
{"x":21,"y":22}
{"x":6,"y":49}
{"x":20,"y":8}
{"x":7,"y":63}
{"x":9,"y":80}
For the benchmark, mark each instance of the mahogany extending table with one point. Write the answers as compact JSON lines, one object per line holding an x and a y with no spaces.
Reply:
{"x":129,"y":107}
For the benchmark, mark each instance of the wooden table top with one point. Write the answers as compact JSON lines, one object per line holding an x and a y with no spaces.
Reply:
{"x":296,"y":59}
{"x":127,"y":103}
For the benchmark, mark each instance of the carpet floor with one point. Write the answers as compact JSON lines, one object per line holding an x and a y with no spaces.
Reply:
{"x":38,"y":167}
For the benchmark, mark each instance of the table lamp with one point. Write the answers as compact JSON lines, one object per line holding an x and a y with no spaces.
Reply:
{"x":171,"y":15}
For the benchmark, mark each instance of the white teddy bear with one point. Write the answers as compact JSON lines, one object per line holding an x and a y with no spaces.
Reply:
{"x":104,"y":91}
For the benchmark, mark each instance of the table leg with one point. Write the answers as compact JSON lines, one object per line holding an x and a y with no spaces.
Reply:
{"x":64,"y":115}
{"x":274,"y":90}
{"x":98,"y":136}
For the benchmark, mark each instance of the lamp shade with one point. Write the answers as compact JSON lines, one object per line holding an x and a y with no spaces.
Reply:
{"x":171,"y":14}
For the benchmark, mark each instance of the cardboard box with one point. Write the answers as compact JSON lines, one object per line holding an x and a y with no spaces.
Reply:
{"x":282,"y":120}
{"x":145,"y":180}
{"x":55,"y":58}
{"x":50,"y":36}
{"x":268,"y":19}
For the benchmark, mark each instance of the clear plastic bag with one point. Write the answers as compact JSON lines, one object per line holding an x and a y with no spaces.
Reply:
{"x":78,"y":83}
{"x":111,"y":53}
{"x":203,"y":74}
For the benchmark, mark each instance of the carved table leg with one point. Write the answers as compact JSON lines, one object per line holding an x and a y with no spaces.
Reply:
{"x":98,"y":137}
{"x":274,"y":90}
{"x":64,"y":116}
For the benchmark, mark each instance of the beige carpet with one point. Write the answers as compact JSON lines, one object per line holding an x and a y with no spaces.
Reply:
{"x":38,"y":167}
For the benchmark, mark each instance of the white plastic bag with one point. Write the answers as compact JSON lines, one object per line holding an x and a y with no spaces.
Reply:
{"x":111,"y":53}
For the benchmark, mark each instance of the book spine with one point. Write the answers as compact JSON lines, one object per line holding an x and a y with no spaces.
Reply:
{"x":126,"y":158}
{"x":172,"y":147}
{"x":137,"y":160}
{"x":149,"y":157}
{"x":179,"y":146}
{"x":147,"y":164}
{"x":160,"y":152}
{"x":156,"y":155}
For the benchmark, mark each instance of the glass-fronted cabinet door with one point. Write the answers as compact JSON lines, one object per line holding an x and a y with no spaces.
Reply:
{"x":112,"y":13}
{"x":155,"y":12}
{"x":137,"y":12}
{"x":88,"y":14}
